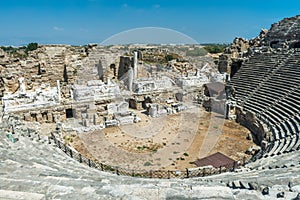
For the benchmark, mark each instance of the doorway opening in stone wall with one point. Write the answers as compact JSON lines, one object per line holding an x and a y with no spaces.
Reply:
{"x":69,"y":113}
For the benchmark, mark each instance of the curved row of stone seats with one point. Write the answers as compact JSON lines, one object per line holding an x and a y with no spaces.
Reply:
{"x":266,"y":96}
{"x":41,"y":171}
{"x":34,"y":170}
{"x":284,"y":145}
{"x":265,"y":170}
{"x":253,"y":74}
{"x":275,"y":99}
{"x":282,"y":129}
{"x":284,"y":115}
{"x":277,"y":178}
{"x":266,"y":68}
{"x":285,"y":159}
{"x":270,"y":88}
{"x":276,"y":112}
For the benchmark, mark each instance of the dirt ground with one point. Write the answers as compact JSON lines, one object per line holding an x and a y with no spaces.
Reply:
{"x":171,"y":142}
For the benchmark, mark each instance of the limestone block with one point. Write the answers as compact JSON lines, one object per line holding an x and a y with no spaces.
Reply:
{"x":296,"y":188}
{"x":123,"y":107}
{"x":91,"y":111}
{"x":86,"y":123}
{"x":39,"y":117}
{"x":56,"y":117}
{"x":27,"y":117}
{"x":95,"y":119}
{"x":112,"y":108}
{"x":49,"y":117}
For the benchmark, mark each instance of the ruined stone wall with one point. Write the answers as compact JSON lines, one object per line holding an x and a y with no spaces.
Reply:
{"x":139,"y":101}
{"x":283,"y":34}
{"x":45,"y":65}
{"x":284,"y":31}
{"x":249,"y":120}
{"x":233,"y":57}
{"x":58,"y":113}
{"x":239,"y":52}
{"x":124,"y":65}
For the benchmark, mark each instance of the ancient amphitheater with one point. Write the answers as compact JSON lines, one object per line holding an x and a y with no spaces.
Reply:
{"x":57,"y":92}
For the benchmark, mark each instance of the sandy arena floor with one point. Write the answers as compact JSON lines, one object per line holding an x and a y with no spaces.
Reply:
{"x":169,"y":142}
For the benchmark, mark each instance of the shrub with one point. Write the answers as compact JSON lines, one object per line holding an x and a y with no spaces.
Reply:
{"x":31,"y":47}
{"x":196,"y":52}
{"x":169,"y":57}
{"x":215,"y":48}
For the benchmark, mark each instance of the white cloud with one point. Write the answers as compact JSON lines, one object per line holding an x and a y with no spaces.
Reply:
{"x":57,"y":28}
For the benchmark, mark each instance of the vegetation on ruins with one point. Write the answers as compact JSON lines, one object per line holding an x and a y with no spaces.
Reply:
{"x":215,"y":48}
{"x":20,"y":52}
{"x":31,"y":47}
{"x":169,"y":57}
{"x":198,"y":51}
{"x":147,"y":163}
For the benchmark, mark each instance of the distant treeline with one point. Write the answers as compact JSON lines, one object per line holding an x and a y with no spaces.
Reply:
{"x":215,"y":48}
{"x":197,"y":51}
{"x":208,"y":48}
{"x":20,"y":51}
{"x":29,"y":47}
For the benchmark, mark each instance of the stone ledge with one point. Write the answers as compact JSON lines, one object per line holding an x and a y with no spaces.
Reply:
{"x":9,"y":194}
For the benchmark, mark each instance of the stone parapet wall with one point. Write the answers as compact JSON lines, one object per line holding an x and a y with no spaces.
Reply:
{"x":250,"y":121}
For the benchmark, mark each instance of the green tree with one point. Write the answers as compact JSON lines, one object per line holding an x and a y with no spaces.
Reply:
{"x":215,"y":48}
{"x":169,"y":57}
{"x":196,"y":52}
{"x":31,"y":47}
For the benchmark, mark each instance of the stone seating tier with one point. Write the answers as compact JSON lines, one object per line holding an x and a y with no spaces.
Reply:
{"x":268,"y":86}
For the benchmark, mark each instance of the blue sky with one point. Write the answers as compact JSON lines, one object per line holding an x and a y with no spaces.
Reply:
{"x":92,"y":21}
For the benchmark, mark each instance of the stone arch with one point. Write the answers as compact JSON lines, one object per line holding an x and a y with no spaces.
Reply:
{"x":113,"y":67}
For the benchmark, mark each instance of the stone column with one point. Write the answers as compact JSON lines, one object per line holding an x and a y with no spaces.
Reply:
{"x":227,"y":110}
{"x":58,"y":90}
{"x":135,"y":59}
{"x":130,"y":74}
